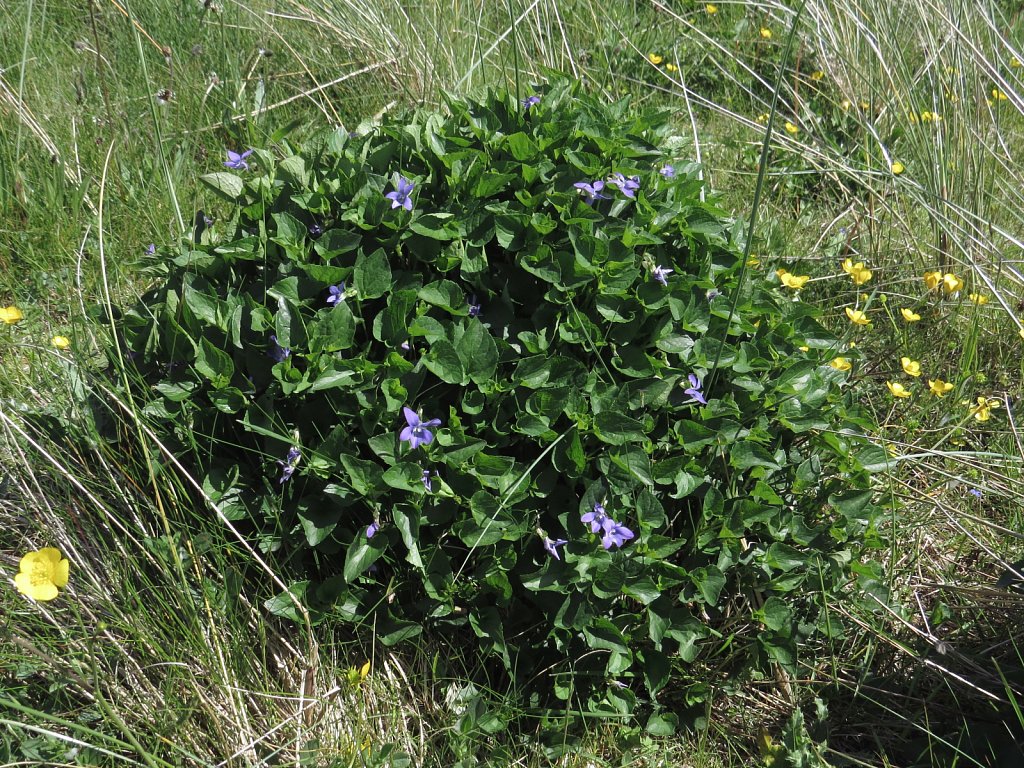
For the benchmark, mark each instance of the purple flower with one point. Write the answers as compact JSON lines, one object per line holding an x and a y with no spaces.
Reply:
{"x":371,"y":529}
{"x":694,"y":390}
{"x":531,"y":101}
{"x":237,"y":161}
{"x":668,"y":171}
{"x":975,"y":493}
{"x":427,"y":483}
{"x":474,"y":306}
{"x":416,"y":432}
{"x":400,"y":197}
{"x":712,"y":294}
{"x":592,"y":191}
{"x":551,"y":545}
{"x":291,"y":460}
{"x":337,"y":294}
{"x":405,"y":345}
{"x":597,"y":518}
{"x":628,"y":187}
{"x":615,"y":535}
{"x":661,"y":274}
{"x":315,"y":230}
{"x":151,"y":249}
{"x":276,"y":352}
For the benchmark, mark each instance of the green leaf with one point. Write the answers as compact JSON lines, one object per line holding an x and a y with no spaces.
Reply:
{"x":213,"y":364}
{"x":290,"y":232}
{"x":443,"y":361}
{"x":710,"y":581}
{"x":362,"y":553}
{"x":318,"y":521}
{"x":477,"y":352}
{"x":283,"y":603}
{"x":445,"y":294}
{"x":225,"y":185}
{"x":616,"y":429}
{"x":407,"y":520}
{"x":662,"y":724}
{"x":333,"y":331}
{"x":775,"y":614}
{"x":746,"y":454}
{"x":372,"y":275}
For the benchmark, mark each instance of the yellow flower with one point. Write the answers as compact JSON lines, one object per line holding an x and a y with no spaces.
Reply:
{"x":804,"y":348}
{"x":671,"y":67}
{"x":939,"y":387}
{"x":857,"y":272}
{"x":754,"y":262}
{"x":766,"y":33}
{"x":910,"y":367}
{"x":932,"y":279}
{"x":10,"y":315}
{"x":796,"y":282}
{"x":841,"y":364}
{"x":864,"y":105}
{"x":817,"y":75}
{"x":951,"y":283}
{"x":711,"y":9}
{"x":655,"y":58}
{"x":845,"y":105}
{"x":357,"y":676}
{"x":983,"y":410}
{"x":978,"y":298}
{"x":1015,"y":62}
{"x":791,"y":129}
{"x":857,"y":317}
{"x":897,"y":168}
{"x":61,"y":342}
{"x":910,"y":315}
{"x":927,"y":117}
{"x":912,"y":116}
{"x":897,"y":389}
{"x":762,"y":118}
{"x":41,"y":573}
{"x":999,"y":95}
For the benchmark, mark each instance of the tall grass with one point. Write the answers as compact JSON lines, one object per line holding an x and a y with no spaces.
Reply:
{"x":161,"y":654}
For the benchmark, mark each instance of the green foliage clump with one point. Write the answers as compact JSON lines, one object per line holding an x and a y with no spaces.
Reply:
{"x":284,"y":343}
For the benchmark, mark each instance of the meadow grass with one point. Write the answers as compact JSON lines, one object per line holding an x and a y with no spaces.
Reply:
{"x":159,"y":652}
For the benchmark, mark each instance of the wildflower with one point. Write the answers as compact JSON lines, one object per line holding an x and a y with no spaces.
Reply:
{"x":978,"y":298}
{"x":998,"y":95}
{"x":315,"y":230}
{"x":236,"y":161}
{"x":276,"y":352}
{"x":531,"y":101}
{"x":671,"y":67}
{"x":939,"y":387}
{"x":910,"y":367}
{"x":592,"y":191}
{"x":857,"y":272}
{"x":371,"y":529}
{"x":655,"y":58}
{"x":695,"y":390}
{"x":1015,"y":62}
{"x":668,"y":171}
{"x":661,"y":274}
{"x":337,"y":294}
{"x":151,"y":249}
{"x":909,"y":315}
{"x":10,"y":315}
{"x":982,"y":411}
{"x":416,"y":432}
{"x":857,"y":317}
{"x":791,"y":129}
{"x":975,"y":493}
{"x":596,"y":518}
{"x":817,"y":75}
{"x":845,"y":105}
{"x":41,"y":573}
{"x":628,"y":187}
{"x":61,"y":342}
{"x":474,"y":306}
{"x":932,"y":279}
{"x":763,"y":118}
{"x":615,"y":535}
{"x":551,"y":545}
{"x":766,"y":34}
{"x":897,"y":168}
{"x":841,"y":364}
{"x":400,"y":196}
{"x":427,"y":483}
{"x":897,"y":389}
{"x":792,"y":281}
{"x":927,"y":117}
{"x":951,"y":283}
{"x":711,"y":9}
{"x":288,"y":465}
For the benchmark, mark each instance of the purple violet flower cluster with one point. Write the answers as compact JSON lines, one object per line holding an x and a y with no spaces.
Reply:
{"x":613,"y":534}
{"x":400,"y":197}
{"x":288,"y":465}
{"x":416,"y":432}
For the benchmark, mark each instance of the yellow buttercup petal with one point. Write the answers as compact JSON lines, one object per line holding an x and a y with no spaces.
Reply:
{"x":910,"y":367}
{"x":654,"y":58}
{"x":857,"y":317}
{"x":897,"y":168}
{"x":910,"y":315}
{"x":10,"y":315}
{"x":897,"y":389}
{"x":951,"y":283}
{"x":841,"y":364}
{"x":61,"y":342}
{"x":938,"y":387}
{"x":791,"y":129}
{"x":766,"y":33}
{"x":711,"y":8}
{"x":978,"y":298}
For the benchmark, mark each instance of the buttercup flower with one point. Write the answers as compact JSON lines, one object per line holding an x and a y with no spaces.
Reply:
{"x":41,"y":573}
{"x":978,"y":298}
{"x":628,"y":187}
{"x":910,"y":315}
{"x":897,"y":389}
{"x":998,"y":95}
{"x":951,"y":283}
{"x":897,"y":168}
{"x":61,"y":342}
{"x":236,"y":161}
{"x":938,"y":387}
{"x":933,"y":279}
{"x":661,"y":274}
{"x":531,"y":101}
{"x":400,"y":196}
{"x":817,"y":75}
{"x":551,"y":545}
{"x":791,"y":129}
{"x":710,"y":9}
{"x":857,"y":317}
{"x":910,"y":367}
{"x":841,"y":364}
{"x":792,"y":281}
{"x":336,"y":294}
{"x":766,"y":33}
{"x":591,"y":191}
{"x":982,"y":410}
{"x":10,"y":315}
{"x":857,"y":272}
{"x":671,"y":67}
{"x":655,"y":58}
{"x":417,"y":432}
{"x":695,"y":390}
